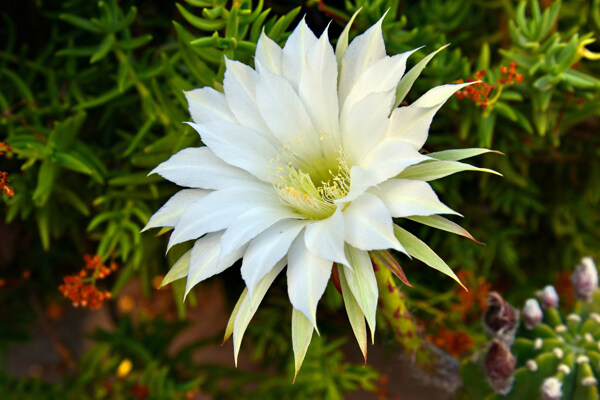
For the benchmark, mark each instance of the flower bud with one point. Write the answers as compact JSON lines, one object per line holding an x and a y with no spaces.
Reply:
{"x":500,"y":318}
{"x":551,"y":389}
{"x":585,"y":279}
{"x":532,"y":313}
{"x":499,"y":367}
{"x":549,"y":297}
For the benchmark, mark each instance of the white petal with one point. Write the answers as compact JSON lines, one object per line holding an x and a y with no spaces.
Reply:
{"x":205,"y":261}
{"x":217,"y":211}
{"x":249,"y":224}
{"x":325,"y":238}
{"x":171,"y":211}
{"x":294,"y":52}
{"x":411,"y":123}
{"x":390,"y":157}
{"x":246,"y":310}
{"x":239,"y":85}
{"x":207,"y":104}
{"x":283,"y":111}
{"x":369,"y":226}
{"x":239,"y":146}
{"x":363,"y":284}
{"x":268,"y":248}
{"x":364,"y":51}
{"x":406,"y":198}
{"x":318,"y":87}
{"x":268,"y":54}
{"x":382,"y":76}
{"x":199,"y":167}
{"x":387,"y":159}
{"x":307,"y":278}
{"x":364,"y":123}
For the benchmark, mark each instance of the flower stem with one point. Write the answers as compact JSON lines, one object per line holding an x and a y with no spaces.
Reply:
{"x":393,"y":307}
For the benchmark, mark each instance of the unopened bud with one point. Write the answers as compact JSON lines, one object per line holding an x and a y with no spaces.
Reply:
{"x":585,"y":279}
{"x":500,"y":318}
{"x":499,"y":367}
{"x":532,"y":313}
{"x":549,"y":297}
{"x":551,"y":389}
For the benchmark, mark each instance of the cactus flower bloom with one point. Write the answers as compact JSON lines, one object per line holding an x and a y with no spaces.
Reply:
{"x":307,"y":159}
{"x":585,"y":279}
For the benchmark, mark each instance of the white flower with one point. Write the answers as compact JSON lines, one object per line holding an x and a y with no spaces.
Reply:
{"x":307,"y":160}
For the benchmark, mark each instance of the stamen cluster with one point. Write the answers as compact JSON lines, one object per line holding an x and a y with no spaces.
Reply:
{"x":81,"y":288}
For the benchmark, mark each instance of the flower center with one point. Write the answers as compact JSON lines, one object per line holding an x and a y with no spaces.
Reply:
{"x":311,"y":191}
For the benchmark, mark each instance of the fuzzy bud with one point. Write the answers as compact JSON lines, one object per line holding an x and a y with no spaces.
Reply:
{"x":532,"y":313}
{"x":551,"y":389}
{"x":549,"y":297}
{"x":585,"y":279}
{"x":499,"y":367}
{"x":500,"y":318}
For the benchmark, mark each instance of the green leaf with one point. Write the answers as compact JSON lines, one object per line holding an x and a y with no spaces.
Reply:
{"x":302,"y":331}
{"x":439,"y":222}
{"x":134,"y":43}
{"x":179,"y":269}
{"x":204,"y":24}
{"x":43,"y":222}
{"x":355,"y":314}
{"x":79,"y":22}
{"x":580,"y":80}
{"x":432,"y":170}
{"x":64,"y":132}
{"x":411,"y":76}
{"x":103,"y":49}
{"x":45,"y":183}
{"x":419,"y":250}
{"x":460,"y":154}
{"x":74,"y":162}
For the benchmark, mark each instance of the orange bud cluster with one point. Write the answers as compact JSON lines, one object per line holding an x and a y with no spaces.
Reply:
{"x":508,"y":75}
{"x":81,"y":288}
{"x":454,"y":342}
{"x":4,"y":184}
{"x":480,"y":92}
{"x":4,"y":148}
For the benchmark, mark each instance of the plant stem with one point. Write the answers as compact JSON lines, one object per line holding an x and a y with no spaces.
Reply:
{"x":393,"y":307}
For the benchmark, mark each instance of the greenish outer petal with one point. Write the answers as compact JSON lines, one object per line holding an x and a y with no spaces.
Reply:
{"x":363,"y":284}
{"x":179,"y":269}
{"x":432,"y":170}
{"x":302,"y":331}
{"x":460,"y":154}
{"x":438,"y":222}
{"x":342,"y":43}
{"x":411,"y":76}
{"x":229,"y":328}
{"x":355,"y":314}
{"x":419,"y":250}
{"x":246,"y":311}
